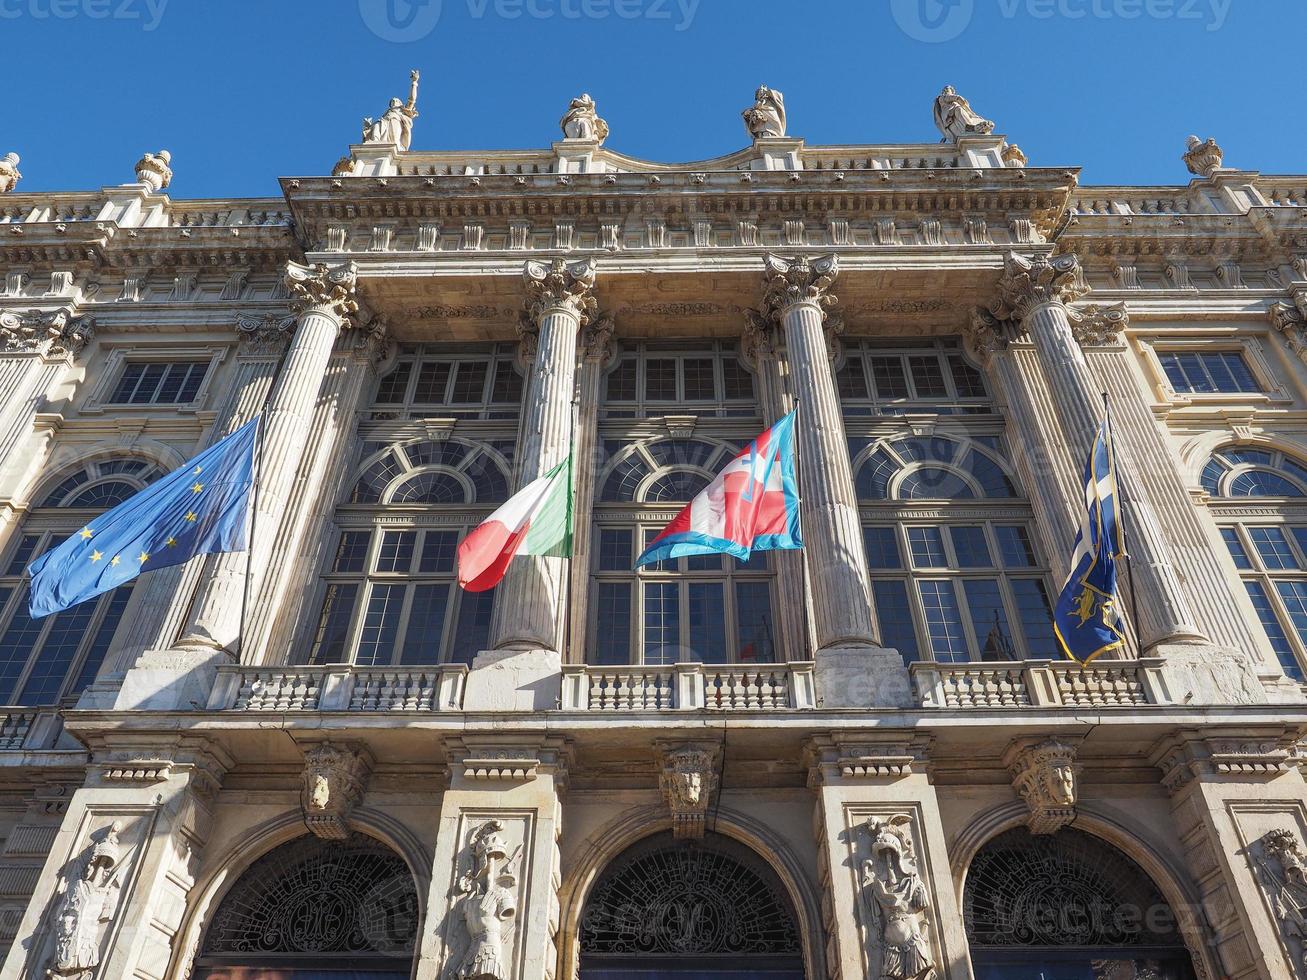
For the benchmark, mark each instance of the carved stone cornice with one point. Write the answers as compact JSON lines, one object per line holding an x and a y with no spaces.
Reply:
{"x":1030,"y":283}
{"x":49,"y":333}
{"x":509,"y":759}
{"x":264,"y":334}
{"x":1099,"y":325}
{"x":787,"y":282}
{"x":1045,"y":775}
{"x":329,"y":290}
{"x":559,"y":284}
{"x":1260,"y":753}
{"x":687,"y":777}
{"x":334,"y":780}
{"x":863,"y":756}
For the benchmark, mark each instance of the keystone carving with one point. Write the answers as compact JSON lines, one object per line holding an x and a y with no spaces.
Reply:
{"x":88,"y":898}
{"x":582,"y":121}
{"x":1203,"y":158}
{"x":334,"y":780}
{"x":896,"y":901}
{"x":154,"y":172}
{"x":798,"y":280}
{"x":329,"y":290}
{"x":688,"y":780}
{"x":765,"y":119}
{"x":9,"y":175}
{"x":559,"y":284}
{"x":1045,"y":776}
{"x":1029,"y":283}
{"x":51,"y":334}
{"x":487,"y":904}
{"x":1097,"y":325}
{"x":1282,"y":867}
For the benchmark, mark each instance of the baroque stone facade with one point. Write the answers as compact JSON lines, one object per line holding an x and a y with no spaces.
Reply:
{"x":863,"y":761}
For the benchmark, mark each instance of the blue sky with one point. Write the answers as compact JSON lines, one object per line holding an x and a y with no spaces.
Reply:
{"x":244,"y":91}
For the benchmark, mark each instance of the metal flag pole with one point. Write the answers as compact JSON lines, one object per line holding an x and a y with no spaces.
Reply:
{"x":1121,"y":526}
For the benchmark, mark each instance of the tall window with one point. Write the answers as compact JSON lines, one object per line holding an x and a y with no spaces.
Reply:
{"x":1208,"y":372}
{"x":708,"y":609}
{"x":389,"y":590}
{"x":1268,"y":542}
{"x":159,"y":382}
{"x":43,"y":661}
{"x":934,"y":376}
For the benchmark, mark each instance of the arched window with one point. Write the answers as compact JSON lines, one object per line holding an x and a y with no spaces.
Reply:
{"x":955,"y":574}
{"x":1067,"y":905}
{"x":710,"y":907}
{"x":390,"y":594}
{"x":705,"y":609}
{"x":1270,"y":552}
{"x":44,"y":661}
{"x":311,"y":906}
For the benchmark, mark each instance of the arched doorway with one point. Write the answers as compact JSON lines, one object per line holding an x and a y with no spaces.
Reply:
{"x":316,"y":910}
{"x":1067,"y":906}
{"x":689,"y":910}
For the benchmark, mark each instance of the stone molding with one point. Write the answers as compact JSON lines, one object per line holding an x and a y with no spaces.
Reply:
{"x":1042,"y":280}
{"x":509,"y":759}
{"x":1045,"y":775}
{"x":334,"y":780}
{"x":688,"y":780}
{"x":320,"y":288}
{"x":864,"y":756}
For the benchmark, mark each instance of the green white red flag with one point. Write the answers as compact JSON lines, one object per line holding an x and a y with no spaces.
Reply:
{"x":536,"y":521}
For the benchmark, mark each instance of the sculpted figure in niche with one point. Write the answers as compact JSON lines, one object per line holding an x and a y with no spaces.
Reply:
{"x":582,"y":122}
{"x":896,"y":897}
{"x":488,"y":905}
{"x":87,"y":901}
{"x":765,"y":119}
{"x":1284,"y":876}
{"x":396,"y":125}
{"x":955,"y":118}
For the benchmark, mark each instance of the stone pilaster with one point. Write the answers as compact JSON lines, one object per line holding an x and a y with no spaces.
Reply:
{"x":878,"y":822}
{"x":1035,"y":292}
{"x":1231,"y":790}
{"x":560,"y":302}
{"x":497,"y":845}
{"x":142,"y":819}
{"x":852,"y":670}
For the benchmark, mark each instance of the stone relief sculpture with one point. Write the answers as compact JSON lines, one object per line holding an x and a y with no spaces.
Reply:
{"x":1203,"y":158}
{"x":955,"y":118}
{"x":154,"y":172}
{"x":1044,"y":774}
{"x":895,"y":898}
{"x":1283,"y":870}
{"x":396,"y":123}
{"x":334,"y":778}
{"x":488,"y":905}
{"x":9,"y":175}
{"x":688,"y":779}
{"x":765,"y":119}
{"x":86,"y":902}
{"x":582,"y":122}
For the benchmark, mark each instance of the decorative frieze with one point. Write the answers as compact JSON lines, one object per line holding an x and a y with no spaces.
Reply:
{"x":1045,"y":775}
{"x":334,"y":780}
{"x":326,"y":289}
{"x":896,"y":902}
{"x":688,"y":779}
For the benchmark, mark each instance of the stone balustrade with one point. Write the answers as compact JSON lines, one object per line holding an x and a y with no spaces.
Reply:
{"x":29,"y":729}
{"x":1039,"y":684}
{"x":339,"y":688}
{"x":688,"y":687}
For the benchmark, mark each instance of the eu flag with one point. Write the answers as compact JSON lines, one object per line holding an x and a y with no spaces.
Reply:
{"x":200,"y":509}
{"x":1087,"y":619}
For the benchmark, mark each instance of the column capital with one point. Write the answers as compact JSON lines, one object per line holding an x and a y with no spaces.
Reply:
{"x":1286,"y":317}
{"x":1099,"y":325}
{"x":987,"y":334}
{"x":789,"y":282}
{"x":597,"y":339}
{"x":559,"y":284}
{"x":758,"y":341}
{"x":1041,"y":280}
{"x":330,"y":290}
{"x":267,"y":334}
{"x":55,"y":333}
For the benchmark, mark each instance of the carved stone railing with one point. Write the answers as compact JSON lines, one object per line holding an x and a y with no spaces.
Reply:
{"x":1133,"y":200}
{"x":688,"y":687}
{"x":1283,"y":192}
{"x":1038,"y":684}
{"x":339,"y":688}
{"x":29,"y":729}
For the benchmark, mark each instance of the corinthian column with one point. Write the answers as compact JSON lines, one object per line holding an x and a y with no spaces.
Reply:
{"x":798,"y":293}
{"x":1035,"y":292}
{"x":322,"y":299}
{"x":560,"y":301}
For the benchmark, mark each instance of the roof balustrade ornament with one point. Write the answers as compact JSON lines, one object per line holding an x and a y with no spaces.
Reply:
{"x":154,"y":172}
{"x":582,"y":122}
{"x":395,"y":127}
{"x":1203,"y":158}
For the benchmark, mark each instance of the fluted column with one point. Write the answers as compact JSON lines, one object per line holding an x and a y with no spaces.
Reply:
{"x":798,"y":293}
{"x":560,"y":301}
{"x":1035,"y":292}
{"x":323,"y":302}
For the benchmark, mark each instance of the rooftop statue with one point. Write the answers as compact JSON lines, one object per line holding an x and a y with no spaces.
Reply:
{"x":582,"y":122}
{"x":396,"y":124}
{"x":9,"y":175}
{"x":955,"y":118}
{"x":766,"y":117}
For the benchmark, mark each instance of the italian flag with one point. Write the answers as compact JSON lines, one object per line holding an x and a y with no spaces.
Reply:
{"x":537,"y":521}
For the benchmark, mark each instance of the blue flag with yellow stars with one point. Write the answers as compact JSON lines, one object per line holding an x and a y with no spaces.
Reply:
{"x":1087,"y":619}
{"x":200,"y":509}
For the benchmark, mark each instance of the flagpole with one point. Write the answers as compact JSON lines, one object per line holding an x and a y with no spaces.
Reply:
{"x":567,"y":594}
{"x":1121,"y":523}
